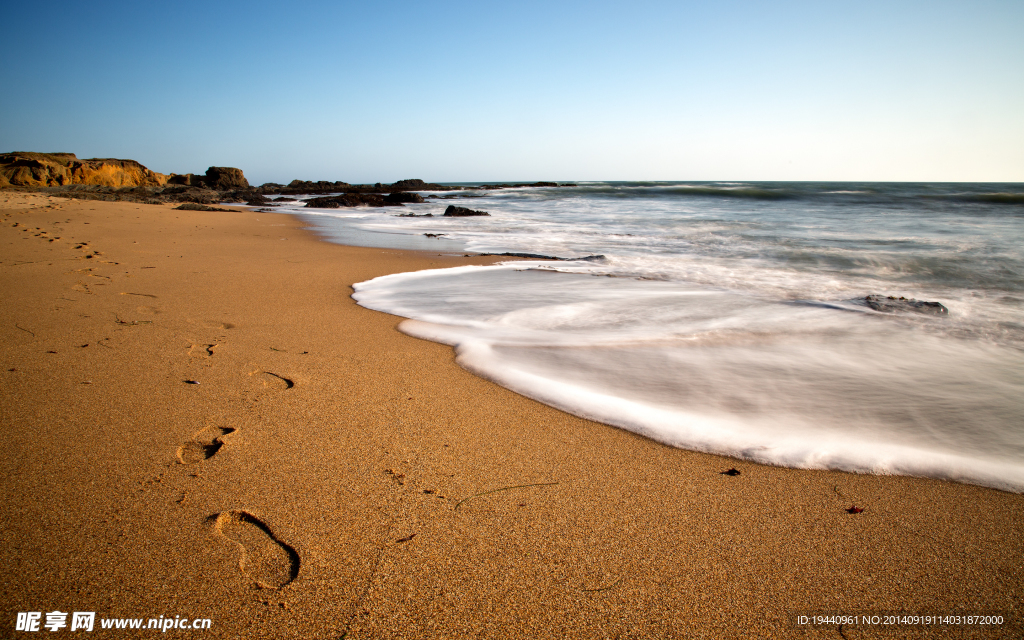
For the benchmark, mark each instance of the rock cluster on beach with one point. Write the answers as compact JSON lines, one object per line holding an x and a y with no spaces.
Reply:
{"x":217,"y":178}
{"x":127,"y":180}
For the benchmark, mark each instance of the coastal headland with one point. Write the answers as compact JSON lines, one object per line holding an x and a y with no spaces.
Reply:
{"x":64,"y":175}
{"x":198,"y":421}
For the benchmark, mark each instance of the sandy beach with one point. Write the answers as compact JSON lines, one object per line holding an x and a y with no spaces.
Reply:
{"x":198,"y":421}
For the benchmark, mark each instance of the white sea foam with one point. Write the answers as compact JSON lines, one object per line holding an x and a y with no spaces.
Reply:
{"x":790,"y":384}
{"x":737,"y":324}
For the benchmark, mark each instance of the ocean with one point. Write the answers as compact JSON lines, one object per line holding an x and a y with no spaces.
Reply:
{"x":731,"y":317}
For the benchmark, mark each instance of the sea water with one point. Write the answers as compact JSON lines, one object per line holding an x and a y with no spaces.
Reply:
{"x":730,"y":317}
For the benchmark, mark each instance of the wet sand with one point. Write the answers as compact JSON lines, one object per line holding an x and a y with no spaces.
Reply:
{"x":328,"y":476}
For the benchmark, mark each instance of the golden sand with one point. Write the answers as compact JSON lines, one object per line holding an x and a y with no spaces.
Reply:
{"x":327,"y":476}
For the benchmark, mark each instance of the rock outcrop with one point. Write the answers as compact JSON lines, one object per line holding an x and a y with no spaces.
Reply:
{"x":225,"y":179}
{"x":462,"y":212}
{"x":28,"y":169}
{"x":416,"y":184}
{"x":216,"y":178}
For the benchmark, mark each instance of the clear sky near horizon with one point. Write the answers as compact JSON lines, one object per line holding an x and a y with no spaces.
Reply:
{"x":558,"y":90}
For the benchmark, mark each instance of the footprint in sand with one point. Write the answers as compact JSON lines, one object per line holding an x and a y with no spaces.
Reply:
{"x":277,"y":381}
{"x":201,"y":350}
{"x":216,"y":324}
{"x":203,"y":445}
{"x":273,"y":380}
{"x":272,"y":564}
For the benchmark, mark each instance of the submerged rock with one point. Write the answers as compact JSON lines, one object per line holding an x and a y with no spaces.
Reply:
{"x":453,"y":211}
{"x":892,"y":304}
{"x":540,"y":256}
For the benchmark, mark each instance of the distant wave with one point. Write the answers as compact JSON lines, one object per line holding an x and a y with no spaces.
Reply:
{"x":857,"y":193}
{"x":649,"y":190}
{"x":981,"y":198}
{"x":753,"y":193}
{"x":999,"y":198}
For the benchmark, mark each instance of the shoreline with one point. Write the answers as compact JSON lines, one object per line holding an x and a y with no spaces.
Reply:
{"x":419,"y":500}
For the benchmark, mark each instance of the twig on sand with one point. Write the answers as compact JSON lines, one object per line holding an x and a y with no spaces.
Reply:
{"x":24,"y":329}
{"x":358,"y":607}
{"x":518,"y":486}
{"x":131,"y":323}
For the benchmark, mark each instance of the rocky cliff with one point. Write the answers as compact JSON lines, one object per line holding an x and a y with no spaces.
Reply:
{"x":28,"y":169}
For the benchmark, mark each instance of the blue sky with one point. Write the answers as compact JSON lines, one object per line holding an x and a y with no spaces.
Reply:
{"x":481,"y":91}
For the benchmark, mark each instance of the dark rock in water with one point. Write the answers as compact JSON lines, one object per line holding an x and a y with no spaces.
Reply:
{"x":414,"y":215}
{"x":256,"y":199}
{"x":324,"y":203}
{"x":352,"y":200}
{"x":435,"y":235}
{"x":414,"y":184}
{"x":892,"y":304}
{"x":306,"y":186}
{"x":512,"y":254}
{"x":540,"y":256}
{"x":400,"y":197}
{"x":296,"y":187}
{"x":285,"y":199}
{"x":453,"y":211}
